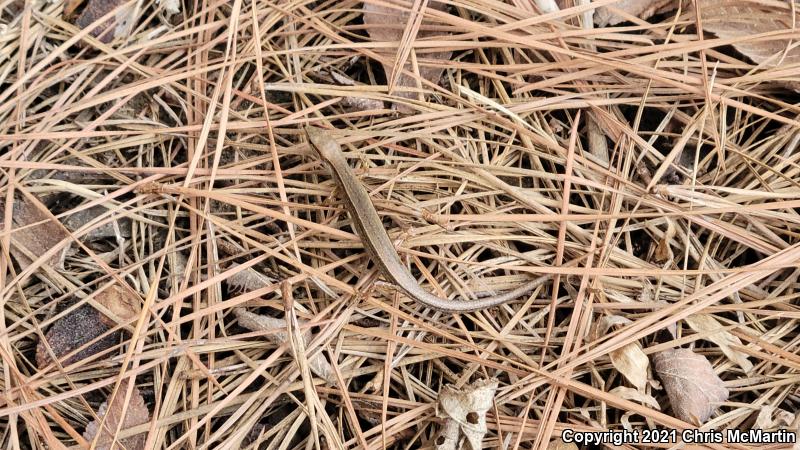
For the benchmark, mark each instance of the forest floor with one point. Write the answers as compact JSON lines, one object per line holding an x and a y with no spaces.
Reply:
{"x":180,"y":270}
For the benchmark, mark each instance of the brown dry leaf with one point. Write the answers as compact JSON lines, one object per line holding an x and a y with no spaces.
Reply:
{"x":635,"y":395}
{"x":248,"y":280}
{"x":32,"y":242}
{"x":642,"y":9}
{"x":693,"y":388}
{"x":123,"y":20}
{"x":136,"y":413}
{"x":559,"y":444}
{"x":73,"y":331}
{"x":119,"y":302}
{"x":448,"y":436}
{"x":362,"y":104}
{"x":705,"y":323}
{"x":465,"y":410}
{"x":602,"y":326}
{"x":768,"y":419}
{"x":387,"y":24}
{"x":79,"y":219}
{"x":368,"y":410}
{"x":630,"y":360}
{"x":256,"y":322}
{"x":743,"y":18}
{"x":663,"y":251}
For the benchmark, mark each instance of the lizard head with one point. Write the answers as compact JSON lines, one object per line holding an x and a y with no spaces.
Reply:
{"x":322,"y":142}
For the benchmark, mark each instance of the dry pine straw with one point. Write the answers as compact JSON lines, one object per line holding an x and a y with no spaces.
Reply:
{"x":681,"y":200}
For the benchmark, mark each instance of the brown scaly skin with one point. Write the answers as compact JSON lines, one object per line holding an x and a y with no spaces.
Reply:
{"x":377,"y":243}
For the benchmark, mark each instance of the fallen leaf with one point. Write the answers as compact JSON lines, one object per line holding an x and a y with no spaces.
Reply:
{"x":30,"y":242}
{"x":768,"y":419}
{"x":362,"y":104}
{"x":387,"y":24}
{"x":663,"y":251}
{"x":256,"y":322}
{"x":630,"y":360}
{"x":368,"y":410}
{"x":136,"y":413}
{"x":714,"y":331}
{"x":625,"y":420}
{"x":693,"y":388}
{"x":602,"y":326}
{"x":75,"y":221}
{"x":74,"y":331}
{"x":642,"y":9}
{"x":742,"y":18}
{"x":465,"y":410}
{"x":248,"y":279}
{"x":448,"y":436}
{"x":636,"y":395}
{"x":123,"y":20}
{"x":120,"y":302}
{"x":559,"y":444}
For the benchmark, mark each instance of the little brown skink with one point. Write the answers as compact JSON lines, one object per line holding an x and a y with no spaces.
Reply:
{"x":375,"y":239}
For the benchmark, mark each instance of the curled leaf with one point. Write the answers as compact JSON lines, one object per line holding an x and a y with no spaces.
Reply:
{"x":118,"y":414}
{"x":636,"y":395}
{"x":770,"y":418}
{"x":693,"y":388}
{"x":465,"y":410}
{"x":605,"y":323}
{"x":716,"y":333}
{"x":632,"y":362}
{"x":448,"y":436}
